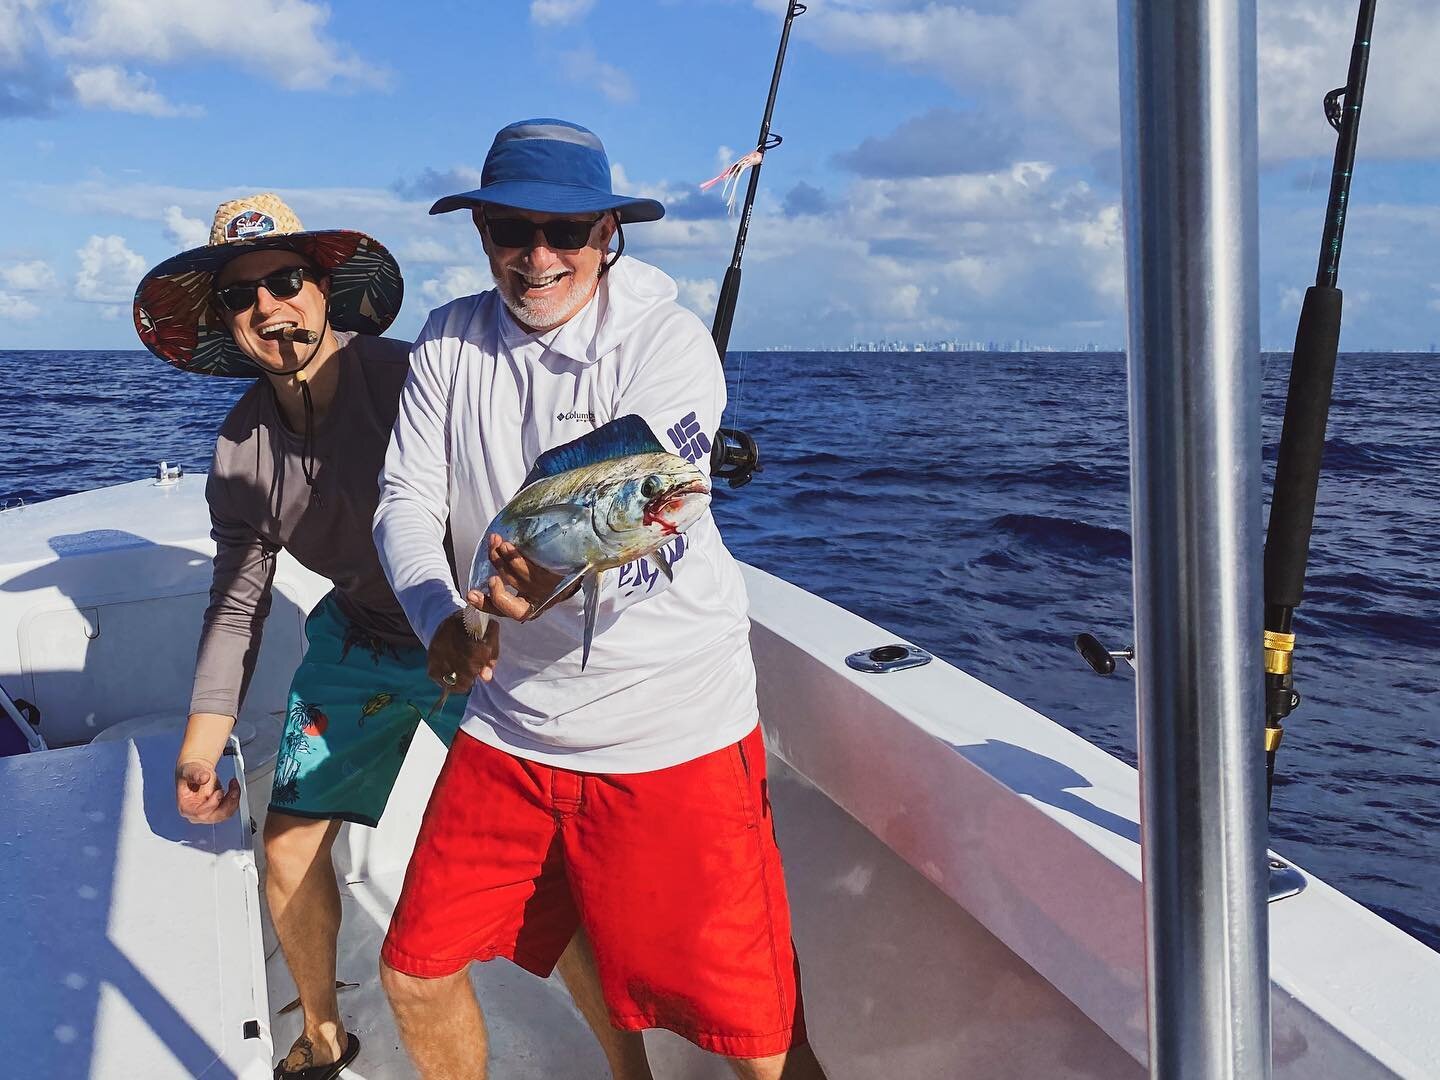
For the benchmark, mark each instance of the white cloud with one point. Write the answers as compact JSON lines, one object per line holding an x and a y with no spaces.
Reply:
{"x":184,"y":232}
{"x":1305,"y":51}
{"x":1050,"y":60}
{"x":16,"y":308}
{"x":112,"y":87}
{"x":559,"y":12}
{"x":585,"y":67}
{"x":283,"y":39}
{"x":31,"y":84}
{"x":109,"y":271}
{"x":1023,"y":251}
{"x":455,"y":281}
{"x":55,"y":54}
{"x":1050,"y":66}
{"x":19,"y":24}
{"x":699,"y":295}
{"x":28,"y":276}
{"x":426,"y":250}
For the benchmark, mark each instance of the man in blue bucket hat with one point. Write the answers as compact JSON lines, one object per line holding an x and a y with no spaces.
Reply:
{"x":625,"y":795}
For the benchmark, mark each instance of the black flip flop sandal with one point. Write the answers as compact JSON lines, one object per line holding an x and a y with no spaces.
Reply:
{"x":322,"y":1072}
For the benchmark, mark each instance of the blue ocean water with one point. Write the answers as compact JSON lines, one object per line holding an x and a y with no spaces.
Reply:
{"x":977,"y":503}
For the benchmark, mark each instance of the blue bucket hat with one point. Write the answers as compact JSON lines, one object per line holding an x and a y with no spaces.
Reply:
{"x":549,"y":167}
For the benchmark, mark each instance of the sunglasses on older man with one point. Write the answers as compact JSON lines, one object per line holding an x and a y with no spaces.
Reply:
{"x":282,"y":284}
{"x":562,"y":234}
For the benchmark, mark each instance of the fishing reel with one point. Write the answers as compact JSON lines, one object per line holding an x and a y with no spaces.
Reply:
{"x":1101,"y":659}
{"x":734,"y":457}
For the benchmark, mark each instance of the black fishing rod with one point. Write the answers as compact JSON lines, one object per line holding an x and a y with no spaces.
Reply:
{"x":735,"y":457}
{"x":1307,"y":407}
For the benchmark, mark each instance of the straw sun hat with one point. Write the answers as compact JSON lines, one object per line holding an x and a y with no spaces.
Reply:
{"x":175,"y":313}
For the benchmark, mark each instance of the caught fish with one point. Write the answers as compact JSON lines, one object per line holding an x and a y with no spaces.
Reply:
{"x":609,"y":497}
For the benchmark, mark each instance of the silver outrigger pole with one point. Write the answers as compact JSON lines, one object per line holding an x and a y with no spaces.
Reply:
{"x":1188,"y":104}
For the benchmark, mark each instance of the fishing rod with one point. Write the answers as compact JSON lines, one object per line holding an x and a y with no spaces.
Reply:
{"x":1307,"y":407}
{"x":735,"y":457}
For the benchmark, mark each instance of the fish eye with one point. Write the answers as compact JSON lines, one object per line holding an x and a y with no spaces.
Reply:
{"x":651,"y":487}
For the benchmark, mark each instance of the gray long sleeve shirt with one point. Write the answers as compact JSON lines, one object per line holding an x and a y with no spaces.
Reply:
{"x":260,"y":502}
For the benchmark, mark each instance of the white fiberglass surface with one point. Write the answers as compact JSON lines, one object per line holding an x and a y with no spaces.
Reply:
{"x":129,"y":939}
{"x":899,"y":982}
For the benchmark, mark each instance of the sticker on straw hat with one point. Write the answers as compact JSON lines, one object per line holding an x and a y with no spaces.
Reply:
{"x":248,"y":225}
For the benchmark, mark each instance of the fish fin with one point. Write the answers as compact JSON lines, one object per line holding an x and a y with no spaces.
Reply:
{"x":619,"y":438}
{"x":658,"y":558}
{"x":554,"y":598}
{"x":592,"y":607}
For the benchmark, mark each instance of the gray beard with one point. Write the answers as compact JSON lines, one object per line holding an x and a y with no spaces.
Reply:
{"x":545,"y":313}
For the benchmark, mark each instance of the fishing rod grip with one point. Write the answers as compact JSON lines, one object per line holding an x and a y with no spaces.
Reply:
{"x":1302,"y":444}
{"x":725,"y":311}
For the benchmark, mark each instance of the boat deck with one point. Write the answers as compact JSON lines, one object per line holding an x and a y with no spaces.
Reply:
{"x":861,"y":965}
{"x":534,"y":1028}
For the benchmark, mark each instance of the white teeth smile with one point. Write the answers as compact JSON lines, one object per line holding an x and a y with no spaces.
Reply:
{"x":275,"y":328}
{"x":540,"y":282}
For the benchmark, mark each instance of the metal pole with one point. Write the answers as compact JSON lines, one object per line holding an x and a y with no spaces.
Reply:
{"x":1188,"y":96}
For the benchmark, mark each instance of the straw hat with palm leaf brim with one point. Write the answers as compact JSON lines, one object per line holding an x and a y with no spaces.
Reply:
{"x":175,"y":311}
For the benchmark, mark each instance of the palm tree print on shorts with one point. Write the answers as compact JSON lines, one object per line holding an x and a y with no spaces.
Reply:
{"x":305,"y":720}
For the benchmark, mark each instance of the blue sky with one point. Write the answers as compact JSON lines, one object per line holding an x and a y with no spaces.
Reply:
{"x":949,"y":170}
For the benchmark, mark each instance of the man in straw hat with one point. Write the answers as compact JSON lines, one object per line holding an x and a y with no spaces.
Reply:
{"x":296,"y":466}
{"x":626,"y":795}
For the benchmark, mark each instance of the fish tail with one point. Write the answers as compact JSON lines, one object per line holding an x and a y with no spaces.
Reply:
{"x":476,"y":621}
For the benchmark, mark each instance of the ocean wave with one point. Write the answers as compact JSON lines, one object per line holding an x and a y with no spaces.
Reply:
{"x":1064,"y":535}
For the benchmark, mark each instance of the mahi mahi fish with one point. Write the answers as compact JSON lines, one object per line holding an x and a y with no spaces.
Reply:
{"x":610,"y":497}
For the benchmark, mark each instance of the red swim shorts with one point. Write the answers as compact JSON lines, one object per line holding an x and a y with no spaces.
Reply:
{"x":674,"y":874}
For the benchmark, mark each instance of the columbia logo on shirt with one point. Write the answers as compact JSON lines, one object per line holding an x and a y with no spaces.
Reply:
{"x":690,"y":442}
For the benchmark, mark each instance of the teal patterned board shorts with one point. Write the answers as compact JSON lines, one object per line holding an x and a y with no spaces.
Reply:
{"x":355,"y":704}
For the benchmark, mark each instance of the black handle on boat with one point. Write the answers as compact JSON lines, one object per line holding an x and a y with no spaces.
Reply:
{"x":1095,"y":654}
{"x":736,"y":458}
{"x":1307,"y":409}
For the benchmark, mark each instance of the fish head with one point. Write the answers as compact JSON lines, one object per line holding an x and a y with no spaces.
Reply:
{"x":657,"y":497}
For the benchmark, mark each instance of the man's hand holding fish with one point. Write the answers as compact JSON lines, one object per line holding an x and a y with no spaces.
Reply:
{"x":518,"y":587}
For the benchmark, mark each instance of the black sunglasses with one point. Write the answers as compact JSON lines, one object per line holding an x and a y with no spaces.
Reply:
{"x":281,"y":284}
{"x":562,"y":234}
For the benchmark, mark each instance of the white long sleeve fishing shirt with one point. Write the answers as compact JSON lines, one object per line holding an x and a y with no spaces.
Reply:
{"x":670,"y":675}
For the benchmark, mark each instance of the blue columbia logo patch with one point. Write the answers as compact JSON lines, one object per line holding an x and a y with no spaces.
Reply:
{"x":690,"y":442}
{"x":250,"y":224}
